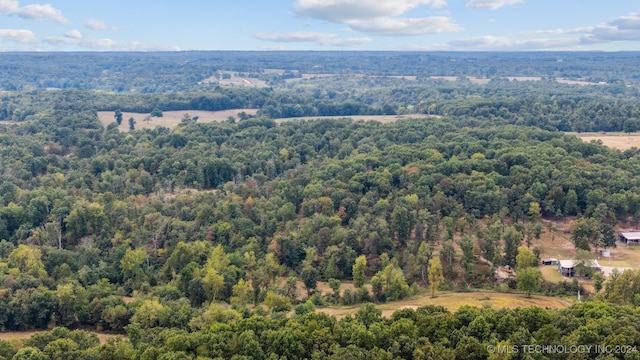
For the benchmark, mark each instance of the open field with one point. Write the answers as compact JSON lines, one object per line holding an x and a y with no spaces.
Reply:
{"x":473,"y":79}
{"x":403,"y":77}
{"x":524,"y":78}
{"x":22,"y":335}
{"x":557,"y":244}
{"x":231,"y":78}
{"x":169,"y":119}
{"x":622,"y":256}
{"x":238,"y":81}
{"x":575,"y":82}
{"x":380,"y":118}
{"x":550,"y":273}
{"x":454,"y":301}
{"x":615,"y":140}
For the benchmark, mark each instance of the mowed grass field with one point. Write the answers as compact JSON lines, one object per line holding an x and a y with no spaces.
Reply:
{"x":454,"y":301}
{"x":615,"y":140}
{"x":169,"y":119}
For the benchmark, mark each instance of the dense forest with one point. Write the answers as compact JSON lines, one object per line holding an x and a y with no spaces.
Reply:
{"x":184,"y":71}
{"x":196,"y":241}
{"x":527,"y":89}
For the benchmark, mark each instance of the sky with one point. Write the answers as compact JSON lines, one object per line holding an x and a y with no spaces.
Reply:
{"x":429,"y":25}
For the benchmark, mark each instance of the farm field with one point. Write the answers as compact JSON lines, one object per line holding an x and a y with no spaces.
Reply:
{"x":454,"y":301}
{"x":615,"y":140}
{"x":169,"y":119}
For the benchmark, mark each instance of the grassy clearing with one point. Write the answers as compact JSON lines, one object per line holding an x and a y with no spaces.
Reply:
{"x":615,"y":140}
{"x":524,"y":78}
{"x":231,"y":78}
{"x":19,"y":336}
{"x":550,"y":273}
{"x":454,"y":301}
{"x":622,"y":256}
{"x":169,"y":119}
{"x":473,"y":79}
{"x":556,"y":243}
{"x":575,"y":82}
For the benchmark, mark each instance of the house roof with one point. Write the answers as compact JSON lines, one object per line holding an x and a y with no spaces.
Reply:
{"x":567,"y":264}
{"x":631,"y":235}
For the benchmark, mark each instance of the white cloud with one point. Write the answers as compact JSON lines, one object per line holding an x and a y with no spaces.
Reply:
{"x":624,"y":28}
{"x":630,"y":22}
{"x":8,"y":6}
{"x":489,"y":42}
{"x":300,"y":36}
{"x":18,"y":35}
{"x":346,"y":42}
{"x":342,"y":10}
{"x":406,"y":27}
{"x":95,"y":24}
{"x":555,"y":32}
{"x":619,"y":29}
{"x":68,"y":39}
{"x":491,"y":4}
{"x":324,"y":39}
{"x":33,"y":11}
{"x":73,"y":34}
{"x":376,"y":17}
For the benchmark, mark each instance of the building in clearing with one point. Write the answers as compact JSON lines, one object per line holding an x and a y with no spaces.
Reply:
{"x":629,"y":238}
{"x":550,"y":261}
{"x":566,"y":268}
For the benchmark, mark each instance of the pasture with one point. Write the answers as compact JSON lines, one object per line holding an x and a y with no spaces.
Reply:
{"x":169,"y":119}
{"x":455,"y":300}
{"x":614,"y":140}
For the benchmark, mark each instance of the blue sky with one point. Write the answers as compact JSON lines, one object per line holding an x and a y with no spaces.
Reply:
{"x":503,"y":25}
